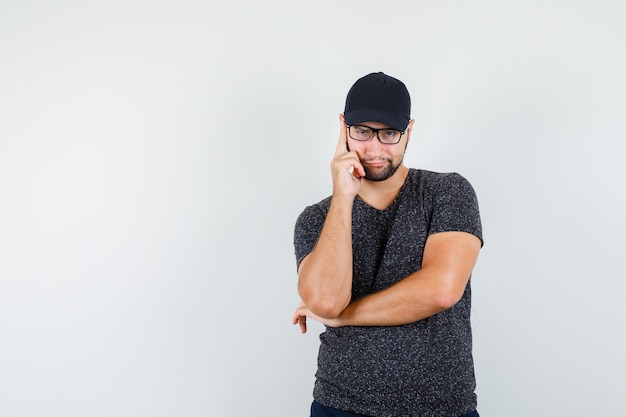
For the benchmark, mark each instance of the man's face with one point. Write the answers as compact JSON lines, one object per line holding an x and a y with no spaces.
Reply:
{"x":380,"y":161}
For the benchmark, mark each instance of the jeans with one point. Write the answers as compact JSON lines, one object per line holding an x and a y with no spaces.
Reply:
{"x":319,"y":410}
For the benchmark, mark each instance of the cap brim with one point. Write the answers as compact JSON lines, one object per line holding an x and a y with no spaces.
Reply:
{"x":392,"y":120}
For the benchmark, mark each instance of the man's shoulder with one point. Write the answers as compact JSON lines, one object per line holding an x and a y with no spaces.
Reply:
{"x":425,"y":179}
{"x":323,"y":204}
{"x":319,"y":208}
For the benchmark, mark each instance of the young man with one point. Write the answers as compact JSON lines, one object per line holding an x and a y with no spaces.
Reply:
{"x":385,"y":263}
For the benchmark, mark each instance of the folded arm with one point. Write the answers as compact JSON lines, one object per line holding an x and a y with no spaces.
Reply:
{"x":447,"y":264}
{"x":325,"y":274}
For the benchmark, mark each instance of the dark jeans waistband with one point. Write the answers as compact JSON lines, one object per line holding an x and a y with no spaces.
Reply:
{"x":319,"y":410}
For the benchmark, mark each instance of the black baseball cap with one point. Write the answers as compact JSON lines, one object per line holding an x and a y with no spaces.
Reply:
{"x":378,"y":97}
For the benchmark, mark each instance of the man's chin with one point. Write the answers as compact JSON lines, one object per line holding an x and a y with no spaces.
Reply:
{"x":379,"y":173}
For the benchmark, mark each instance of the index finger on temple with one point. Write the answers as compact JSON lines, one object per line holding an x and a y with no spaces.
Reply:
{"x":342,"y":145}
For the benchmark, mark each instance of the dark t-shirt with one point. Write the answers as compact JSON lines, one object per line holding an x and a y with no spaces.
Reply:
{"x":420,"y":369}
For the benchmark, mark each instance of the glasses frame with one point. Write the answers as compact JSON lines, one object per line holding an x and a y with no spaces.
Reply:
{"x":375,"y":131}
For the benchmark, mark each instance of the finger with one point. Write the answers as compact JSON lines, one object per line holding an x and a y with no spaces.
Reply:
{"x":359,"y":170}
{"x":303,"y":324}
{"x":295,"y":319}
{"x":342,"y":144}
{"x":356,"y":168}
{"x":300,"y":318}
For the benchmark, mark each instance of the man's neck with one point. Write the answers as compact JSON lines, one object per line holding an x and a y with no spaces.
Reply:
{"x":380,"y":194}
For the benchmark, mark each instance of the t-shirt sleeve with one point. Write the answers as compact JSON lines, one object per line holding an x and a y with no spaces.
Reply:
{"x":307,"y":231}
{"x":455,"y":207}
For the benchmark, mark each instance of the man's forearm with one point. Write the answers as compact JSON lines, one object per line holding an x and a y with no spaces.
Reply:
{"x":447,"y":265}
{"x":414,"y":298}
{"x":325,"y":275}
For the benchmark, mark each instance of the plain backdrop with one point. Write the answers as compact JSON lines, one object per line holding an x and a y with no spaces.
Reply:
{"x":154,"y":156}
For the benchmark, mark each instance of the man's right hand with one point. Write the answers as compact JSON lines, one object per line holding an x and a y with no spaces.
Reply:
{"x":346,"y":167}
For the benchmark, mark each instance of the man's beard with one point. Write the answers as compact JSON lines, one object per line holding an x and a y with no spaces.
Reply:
{"x":382,"y":173}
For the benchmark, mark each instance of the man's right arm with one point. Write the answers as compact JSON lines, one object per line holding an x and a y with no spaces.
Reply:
{"x":325,"y":274}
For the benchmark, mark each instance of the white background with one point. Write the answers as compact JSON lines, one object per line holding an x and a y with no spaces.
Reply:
{"x":154,"y":156}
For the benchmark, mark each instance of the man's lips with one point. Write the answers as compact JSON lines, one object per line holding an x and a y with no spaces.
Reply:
{"x":376,"y":163}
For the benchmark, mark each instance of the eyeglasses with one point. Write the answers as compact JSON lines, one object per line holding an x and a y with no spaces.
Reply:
{"x":364,"y":133}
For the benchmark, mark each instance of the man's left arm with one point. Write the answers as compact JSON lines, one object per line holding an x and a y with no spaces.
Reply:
{"x":447,"y":264}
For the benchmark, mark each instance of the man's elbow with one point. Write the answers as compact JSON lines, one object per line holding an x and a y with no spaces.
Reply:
{"x":447,"y":297}
{"x":327,"y":304}
{"x":327,"y":309}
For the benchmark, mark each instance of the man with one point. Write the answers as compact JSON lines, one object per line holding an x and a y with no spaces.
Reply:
{"x":385,"y":264}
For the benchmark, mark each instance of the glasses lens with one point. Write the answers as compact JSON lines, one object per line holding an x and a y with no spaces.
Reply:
{"x":389,"y":136}
{"x":360,"y":132}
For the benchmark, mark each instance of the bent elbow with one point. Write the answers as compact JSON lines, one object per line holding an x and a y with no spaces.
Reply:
{"x":447,"y":299}
{"x":326,"y":309}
